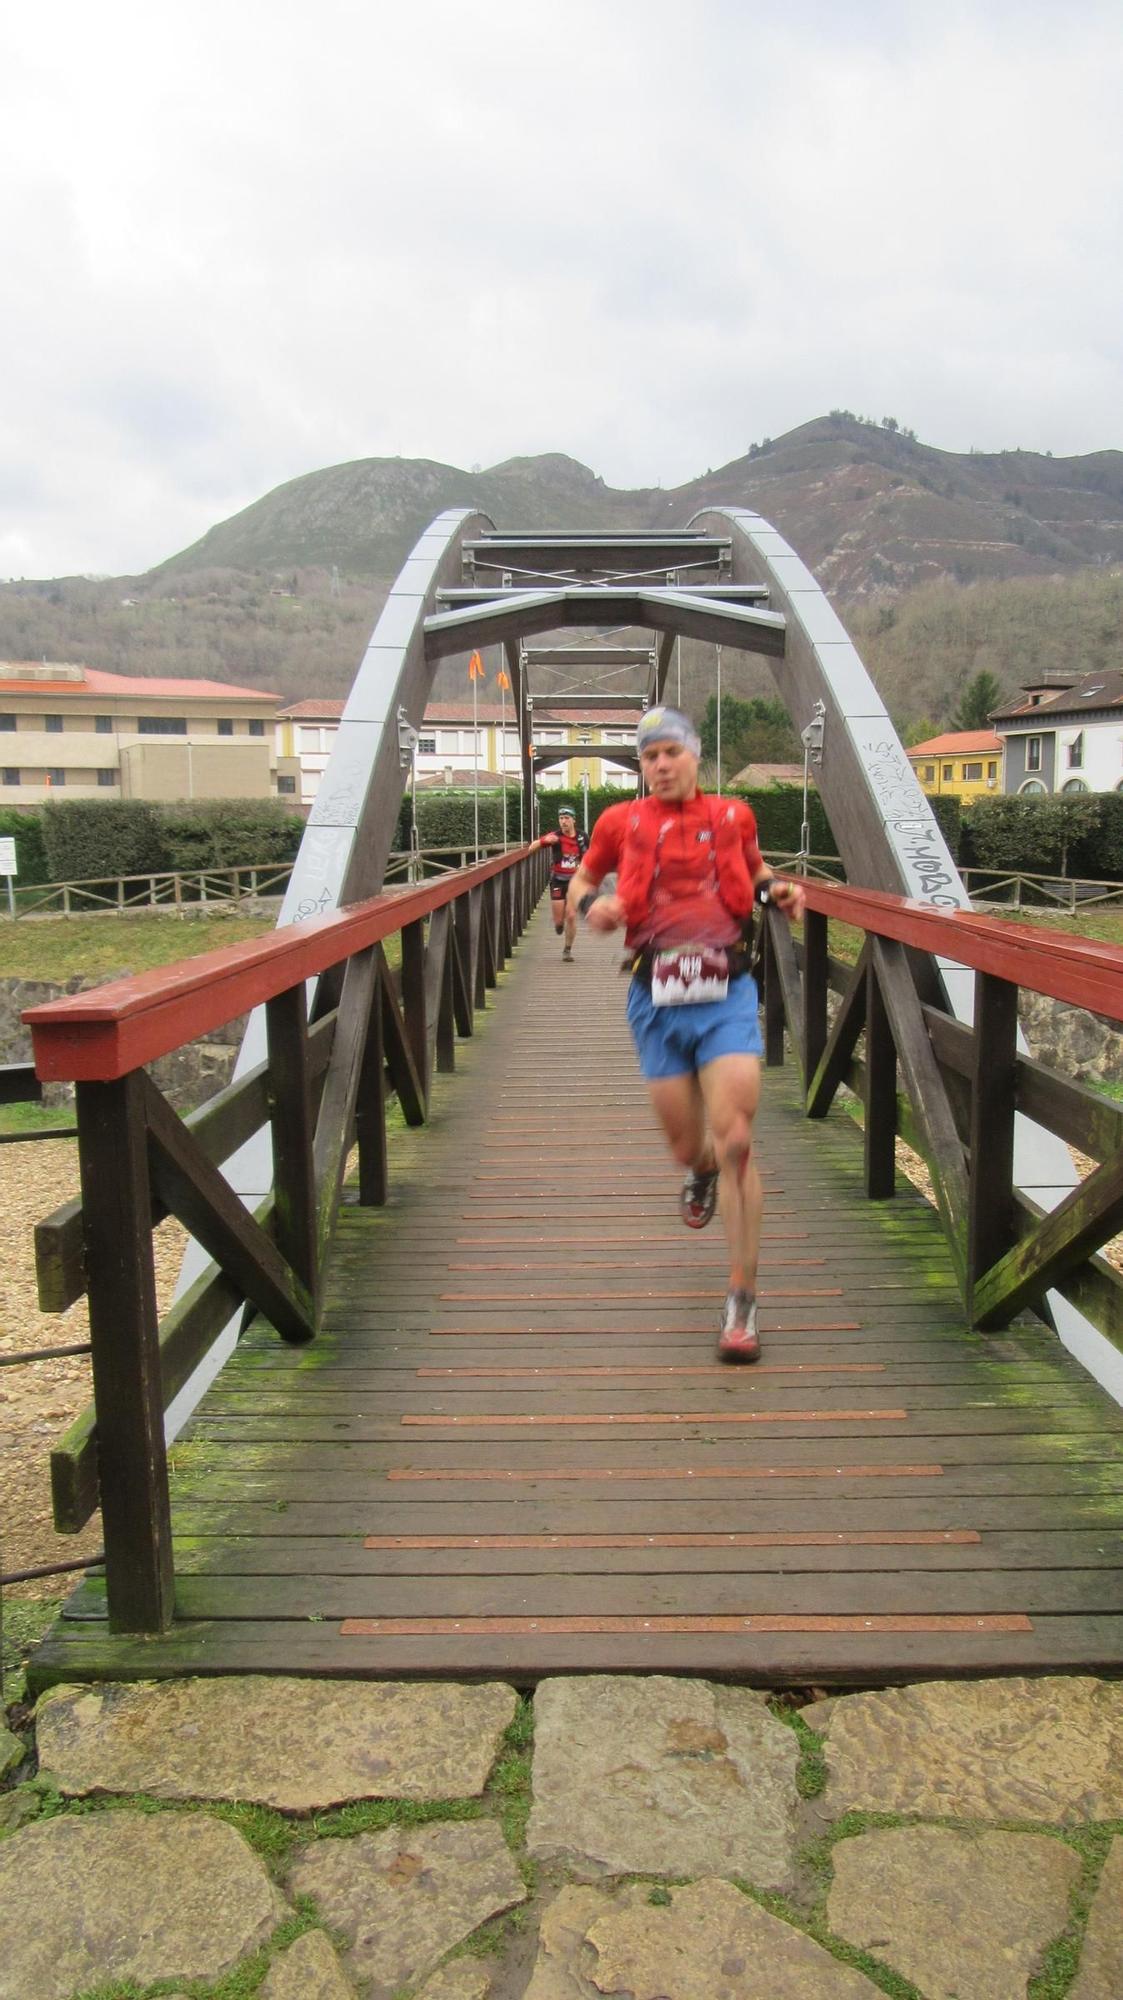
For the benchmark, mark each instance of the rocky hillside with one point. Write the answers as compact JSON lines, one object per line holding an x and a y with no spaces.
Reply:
{"x":282,"y":594}
{"x":869,"y":508}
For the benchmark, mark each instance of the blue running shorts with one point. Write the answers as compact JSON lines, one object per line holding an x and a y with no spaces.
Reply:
{"x":673,"y":1041}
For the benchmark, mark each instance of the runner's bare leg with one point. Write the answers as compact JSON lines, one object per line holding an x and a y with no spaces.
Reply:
{"x":680,"y":1108}
{"x":730,"y":1087}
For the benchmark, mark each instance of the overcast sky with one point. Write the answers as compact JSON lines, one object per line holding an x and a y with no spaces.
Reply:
{"x":243,"y":239}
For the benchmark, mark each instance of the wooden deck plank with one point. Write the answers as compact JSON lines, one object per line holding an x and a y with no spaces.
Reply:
{"x":506,"y":1456}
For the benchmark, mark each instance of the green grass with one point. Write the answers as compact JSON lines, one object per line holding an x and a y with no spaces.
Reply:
{"x":25,"y":1620}
{"x":36,"y":1117}
{"x":58,"y":948}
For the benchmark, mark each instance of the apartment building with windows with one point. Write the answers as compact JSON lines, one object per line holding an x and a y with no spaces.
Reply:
{"x":73,"y":731}
{"x":962,"y":764}
{"x":1065,"y":739}
{"x":451,"y":741}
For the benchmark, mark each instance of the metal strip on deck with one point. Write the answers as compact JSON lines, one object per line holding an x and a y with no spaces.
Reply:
{"x":511,"y":1452}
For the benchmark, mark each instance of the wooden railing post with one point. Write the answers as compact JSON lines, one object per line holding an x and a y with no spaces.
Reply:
{"x":881,"y":1094}
{"x":293,"y":1125}
{"x":815,"y":987}
{"x":991,"y":1229}
{"x":773,"y":999}
{"x":370,"y":1111}
{"x":413,"y":1000}
{"x":125,"y":1353}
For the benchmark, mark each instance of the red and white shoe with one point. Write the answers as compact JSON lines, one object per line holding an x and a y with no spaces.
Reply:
{"x":739,"y":1339}
{"x":698,"y":1199}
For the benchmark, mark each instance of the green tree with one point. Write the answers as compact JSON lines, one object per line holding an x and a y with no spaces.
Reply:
{"x":758,"y":731}
{"x":917,"y":732}
{"x":979,"y":697}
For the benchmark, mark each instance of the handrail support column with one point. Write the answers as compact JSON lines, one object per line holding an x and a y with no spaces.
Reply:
{"x":124,"y":1336}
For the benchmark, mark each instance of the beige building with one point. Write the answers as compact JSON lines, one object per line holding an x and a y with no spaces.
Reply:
{"x":74,"y":732}
{"x":454,"y":739}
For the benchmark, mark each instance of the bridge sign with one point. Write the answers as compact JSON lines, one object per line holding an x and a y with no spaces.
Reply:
{"x":8,"y":857}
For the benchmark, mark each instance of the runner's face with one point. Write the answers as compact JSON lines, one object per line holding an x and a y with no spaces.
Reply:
{"x":670,"y":771}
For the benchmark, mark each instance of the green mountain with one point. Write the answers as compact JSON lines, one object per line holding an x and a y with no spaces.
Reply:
{"x":282,"y":594}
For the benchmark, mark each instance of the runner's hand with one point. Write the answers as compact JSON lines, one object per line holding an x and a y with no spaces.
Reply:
{"x":787,"y":896}
{"x":606,"y":914}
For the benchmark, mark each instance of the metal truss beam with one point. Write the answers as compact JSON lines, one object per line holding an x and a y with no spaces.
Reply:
{"x":735,"y":625}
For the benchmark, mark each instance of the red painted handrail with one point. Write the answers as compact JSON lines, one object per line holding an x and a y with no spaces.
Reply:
{"x":1082,"y":972}
{"x":103,"y":1034}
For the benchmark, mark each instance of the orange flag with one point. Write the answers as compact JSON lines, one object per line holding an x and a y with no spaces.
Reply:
{"x":502,"y":681}
{"x":475,"y":668}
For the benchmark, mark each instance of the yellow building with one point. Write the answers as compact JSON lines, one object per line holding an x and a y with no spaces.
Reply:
{"x":965,"y":764}
{"x":75,"y":732}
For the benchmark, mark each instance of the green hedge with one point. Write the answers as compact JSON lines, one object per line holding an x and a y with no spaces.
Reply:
{"x":1079,"y":835}
{"x":445,"y":819}
{"x":99,"y":839}
{"x":26,"y":828}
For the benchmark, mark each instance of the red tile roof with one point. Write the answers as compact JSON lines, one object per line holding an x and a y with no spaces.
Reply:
{"x":1094,"y":691}
{"x":313,"y":711}
{"x":94,"y":681}
{"x":959,"y":743}
{"x":464,"y":780}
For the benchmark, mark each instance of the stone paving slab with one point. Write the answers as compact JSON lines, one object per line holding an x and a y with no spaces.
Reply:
{"x":707,"y":1942}
{"x":308,"y":1970}
{"x":662,"y":1777}
{"x":128,"y":1895}
{"x":1100,"y":1976}
{"x":631,"y":1775}
{"x":405,"y":1897}
{"x":299,"y":1745}
{"x":965,"y":1916}
{"x":1049,"y":1750}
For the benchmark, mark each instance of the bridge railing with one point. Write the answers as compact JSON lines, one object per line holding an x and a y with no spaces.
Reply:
{"x":952,"y":1091}
{"x":322,"y":1086}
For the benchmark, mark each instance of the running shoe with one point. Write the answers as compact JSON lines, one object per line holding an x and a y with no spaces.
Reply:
{"x":698,"y":1199}
{"x":567,"y":954}
{"x":739,"y":1339}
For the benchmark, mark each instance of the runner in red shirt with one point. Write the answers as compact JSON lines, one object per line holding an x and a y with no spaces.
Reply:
{"x":569,"y":847}
{"x":688,"y":869}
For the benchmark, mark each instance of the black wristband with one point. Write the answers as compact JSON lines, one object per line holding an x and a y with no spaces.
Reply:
{"x":586,"y":903}
{"x":763,"y":892}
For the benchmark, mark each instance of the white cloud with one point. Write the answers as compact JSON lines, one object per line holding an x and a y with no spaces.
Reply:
{"x":242,"y":241}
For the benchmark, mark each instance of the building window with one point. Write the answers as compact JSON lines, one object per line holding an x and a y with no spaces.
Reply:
{"x":449,"y":742}
{"x":225,"y":726}
{"x":286,"y":785}
{"x":1074,"y":785}
{"x":161,"y":725}
{"x":426,"y":746}
{"x":1033,"y":753}
{"x":107,"y":777}
{"x":949,"y":770}
{"x":992,"y":773}
{"x":11,"y":776}
{"x":928,"y":774}
{"x":56,"y":775}
{"x":1076,"y":754}
{"x":7,"y":722}
{"x":257,"y":725}
{"x":53,"y":725}
{"x":103,"y":725}
{"x":1032,"y":789}
{"x":972,"y":774}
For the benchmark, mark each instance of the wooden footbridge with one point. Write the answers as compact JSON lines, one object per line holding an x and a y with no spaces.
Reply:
{"x":440,"y":1379}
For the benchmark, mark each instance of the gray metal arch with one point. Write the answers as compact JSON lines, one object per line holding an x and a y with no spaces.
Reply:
{"x":350,"y":832}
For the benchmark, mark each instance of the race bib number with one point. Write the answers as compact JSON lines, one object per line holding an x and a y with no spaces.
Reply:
{"x":688,"y":976}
